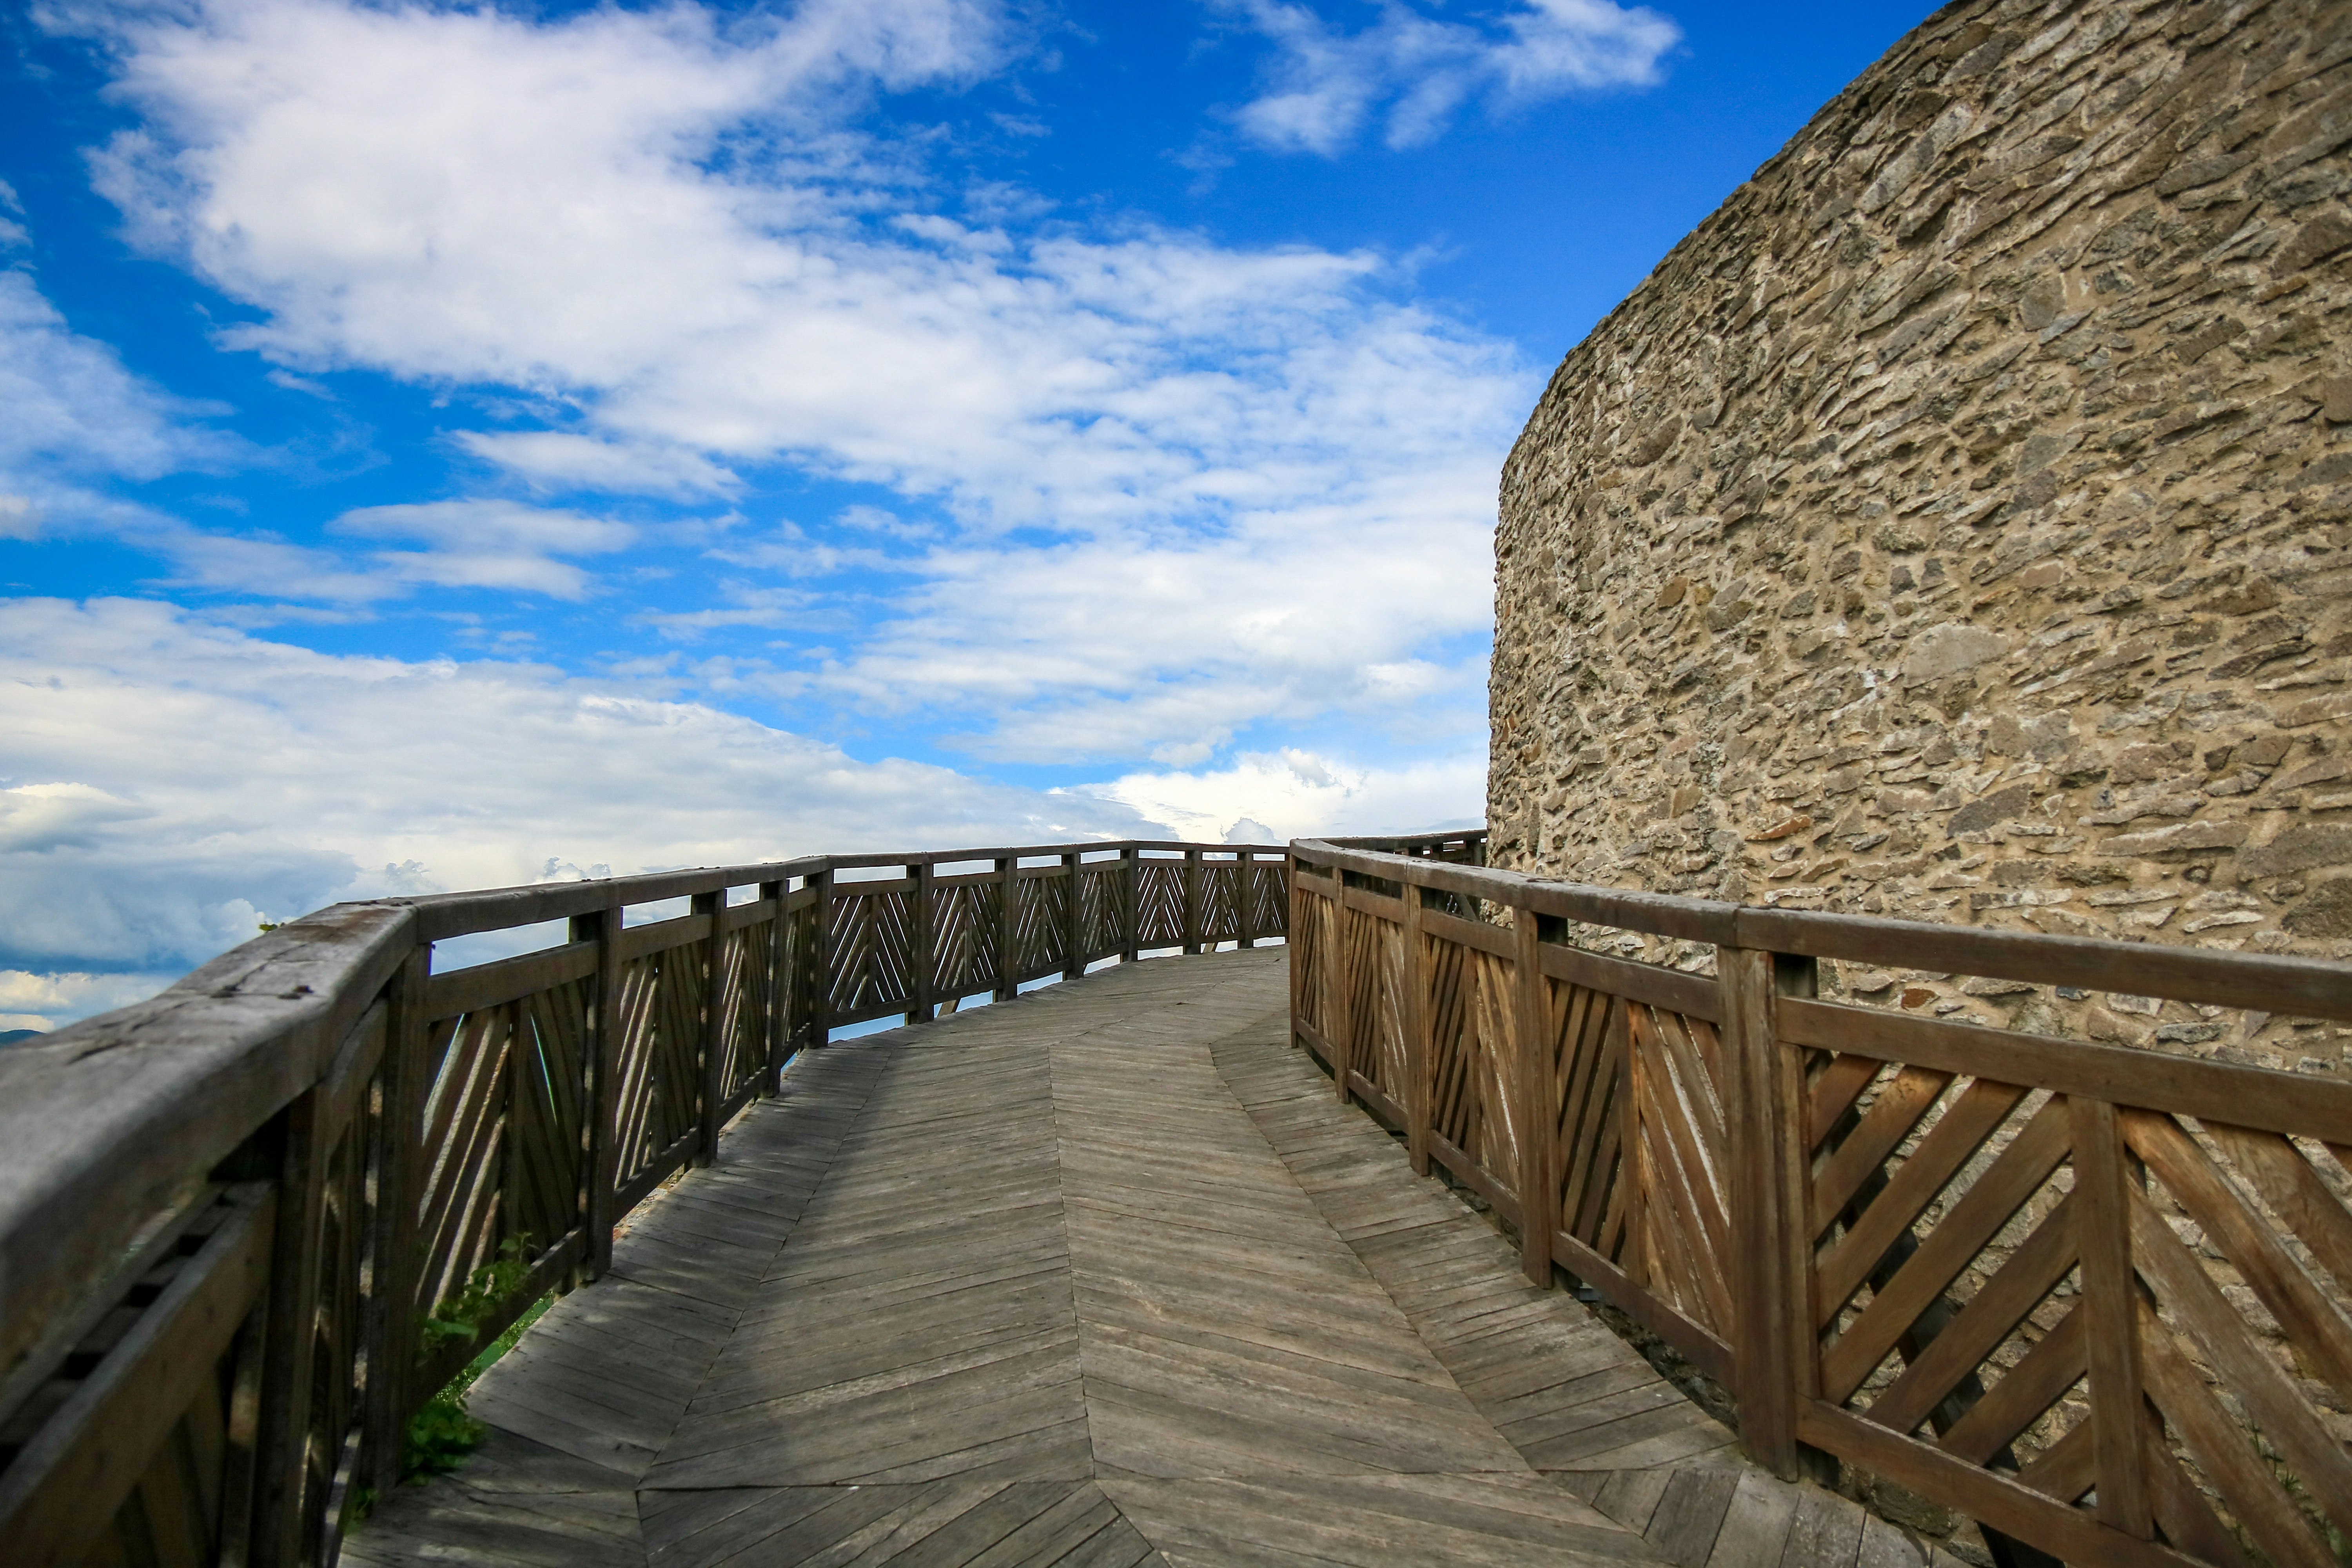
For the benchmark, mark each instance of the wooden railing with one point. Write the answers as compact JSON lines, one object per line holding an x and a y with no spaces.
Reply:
{"x":2011,"y":1272}
{"x":226,"y":1214}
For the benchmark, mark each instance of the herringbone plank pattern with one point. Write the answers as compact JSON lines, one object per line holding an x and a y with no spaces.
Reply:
{"x":1102,"y":1275}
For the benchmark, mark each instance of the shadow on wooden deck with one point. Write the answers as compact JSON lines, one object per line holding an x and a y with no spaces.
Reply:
{"x":1101,"y":1276}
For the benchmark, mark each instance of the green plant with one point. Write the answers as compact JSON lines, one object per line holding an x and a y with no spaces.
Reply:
{"x":439,"y":1437}
{"x":460,"y":1319}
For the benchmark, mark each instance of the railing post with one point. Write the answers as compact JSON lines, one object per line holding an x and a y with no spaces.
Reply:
{"x":2110,"y":1299}
{"x":1624,"y":1051}
{"x":1008,"y":905}
{"x":289,"y":1363}
{"x":391,"y":1362}
{"x":924,"y":980}
{"x":1244,"y":904}
{"x":775,"y":996}
{"x":1339,"y":997}
{"x":1538,"y":1103}
{"x":1774,"y":1364}
{"x":1296,"y":966}
{"x":1418,"y":1091}
{"x":1192,"y":900}
{"x":820,"y":1011}
{"x":604,"y":928}
{"x":1074,"y":955}
{"x":713,"y":1056}
{"x":1130,"y":919}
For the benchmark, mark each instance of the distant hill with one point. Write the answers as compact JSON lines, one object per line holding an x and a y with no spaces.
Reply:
{"x":10,"y":1036}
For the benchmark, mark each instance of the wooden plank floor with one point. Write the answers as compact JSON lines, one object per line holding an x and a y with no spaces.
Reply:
{"x":1103,"y":1276}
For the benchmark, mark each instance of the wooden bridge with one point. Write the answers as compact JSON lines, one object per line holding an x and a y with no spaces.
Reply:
{"x":1103,"y":1272}
{"x":1109,"y":1271}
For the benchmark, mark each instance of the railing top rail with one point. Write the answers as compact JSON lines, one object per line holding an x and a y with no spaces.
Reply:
{"x":1458,"y":836}
{"x":111,"y":1122}
{"x":446,"y":915}
{"x":2302,"y":987}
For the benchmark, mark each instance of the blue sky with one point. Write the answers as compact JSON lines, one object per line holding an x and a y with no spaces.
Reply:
{"x":447,"y":446}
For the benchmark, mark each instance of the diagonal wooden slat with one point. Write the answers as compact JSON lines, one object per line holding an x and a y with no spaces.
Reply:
{"x":2221,"y":1449}
{"x":1940,"y":1156}
{"x":2021,"y":1283}
{"x":2024,"y":1393}
{"x":2181,"y":1511}
{"x":2321,"y":1332}
{"x":1900,"y":1106}
{"x":2276,"y":1407}
{"x":1839,"y":1082}
{"x":1980,"y":1213}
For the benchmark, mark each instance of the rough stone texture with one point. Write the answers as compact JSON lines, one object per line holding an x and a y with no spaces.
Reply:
{"x":1954,"y":525}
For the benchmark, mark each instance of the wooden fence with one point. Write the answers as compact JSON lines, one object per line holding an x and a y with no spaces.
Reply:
{"x":226,"y":1214}
{"x":2012,"y":1272}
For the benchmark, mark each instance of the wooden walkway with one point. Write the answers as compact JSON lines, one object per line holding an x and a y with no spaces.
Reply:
{"x":1102,"y":1275}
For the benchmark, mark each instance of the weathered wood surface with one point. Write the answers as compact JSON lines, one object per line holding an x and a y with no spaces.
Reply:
{"x":1104,"y":1275}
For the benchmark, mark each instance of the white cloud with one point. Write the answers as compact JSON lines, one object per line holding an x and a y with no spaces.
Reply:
{"x":1122,"y":648}
{"x":1273,"y":798}
{"x":73,"y":409}
{"x":1325,"y":84}
{"x":555,"y":459}
{"x":1257,"y":473}
{"x":170,"y":782}
{"x":29,"y":1001}
{"x":76,"y":417}
{"x":488,"y":543}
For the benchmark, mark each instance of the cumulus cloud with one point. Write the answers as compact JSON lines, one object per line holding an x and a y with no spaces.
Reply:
{"x":697,"y":269}
{"x":1414,"y":71}
{"x":29,"y":1001}
{"x":170,"y":782}
{"x":1273,"y":798}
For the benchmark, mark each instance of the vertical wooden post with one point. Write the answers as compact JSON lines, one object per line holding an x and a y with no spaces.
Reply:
{"x":289,"y":1360}
{"x":1244,"y":907}
{"x":390,"y":1360}
{"x":604,"y":928}
{"x":1538,"y":1102}
{"x":713,"y":1057}
{"x":1192,"y":900}
{"x":775,"y":1019}
{"x":1633,"y":1174}
{"x":1008,"y":904}
{"x":1130,"y":918}
{"x":1339,"y":997}
{"x":1775,"y":1362}
{"x":923,"y":982}
{"x":1074,"y":956}
{"x":1418,"y":1089}
{"x":821,"y":956}
{"x":1296,"y":966}
{"x":2111,"y":1295}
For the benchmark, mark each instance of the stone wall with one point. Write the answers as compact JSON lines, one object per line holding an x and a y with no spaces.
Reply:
{"x":1954,"y":525}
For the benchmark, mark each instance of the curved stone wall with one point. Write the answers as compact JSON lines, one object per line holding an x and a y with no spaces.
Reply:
{"x":1955,"y":525}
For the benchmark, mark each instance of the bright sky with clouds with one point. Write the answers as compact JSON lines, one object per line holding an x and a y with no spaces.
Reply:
{"x":446,"y":446}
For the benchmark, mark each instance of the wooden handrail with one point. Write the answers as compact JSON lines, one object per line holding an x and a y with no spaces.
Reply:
{"x":1791,"y":1190}
{"x":280,"y":1168}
